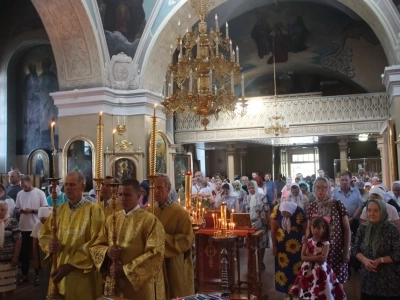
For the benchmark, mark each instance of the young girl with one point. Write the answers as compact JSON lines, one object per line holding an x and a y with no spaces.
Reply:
{"x":316,"y":279}
{"x":10,"y":245}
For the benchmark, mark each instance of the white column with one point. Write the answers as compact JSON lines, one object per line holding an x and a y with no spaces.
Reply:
{"x":382,"y":145}
{"x":343,"y":154}
{"x":230,"y":152}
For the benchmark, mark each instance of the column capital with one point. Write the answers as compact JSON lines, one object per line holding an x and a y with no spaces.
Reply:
{"x":230,"y":147}
{"x":343,"y":142}
{"x":391,"y":80}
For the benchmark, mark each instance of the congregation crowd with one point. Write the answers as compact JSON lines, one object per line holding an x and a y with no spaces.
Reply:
{"x":319,"y":233}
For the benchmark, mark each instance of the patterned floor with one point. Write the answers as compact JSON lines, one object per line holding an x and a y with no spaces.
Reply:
{"x":28,"y":291}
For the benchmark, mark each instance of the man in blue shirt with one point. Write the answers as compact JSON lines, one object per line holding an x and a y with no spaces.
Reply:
{"x":351,"y":199}
{"x":270,"y":190}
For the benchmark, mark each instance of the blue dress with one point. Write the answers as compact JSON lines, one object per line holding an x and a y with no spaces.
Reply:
{"x":288,"y":261}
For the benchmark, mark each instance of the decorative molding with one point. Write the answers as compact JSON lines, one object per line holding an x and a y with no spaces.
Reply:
{"x":74,"y":42}
{"x":122,"y":72}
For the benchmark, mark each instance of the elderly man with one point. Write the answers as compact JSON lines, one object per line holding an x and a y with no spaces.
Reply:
{"x":351,"y":199}
{"x":375,"y":181}
{"x":379,"y":194}
{"x":14,"y":186}
{"x":395,"y":192}
{"x":245,"y":181}
{"x":139,"y":249}
{"x":29,"y":200}
{"x":79,"y":222}
{"x":178,"y":262}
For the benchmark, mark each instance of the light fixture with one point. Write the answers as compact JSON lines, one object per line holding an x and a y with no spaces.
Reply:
{"x":363,"y":137}
{"x":205,"y":74}
{"x":277,"y":124}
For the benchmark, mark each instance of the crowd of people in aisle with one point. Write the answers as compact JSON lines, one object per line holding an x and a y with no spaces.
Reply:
{"x":319,"y":233}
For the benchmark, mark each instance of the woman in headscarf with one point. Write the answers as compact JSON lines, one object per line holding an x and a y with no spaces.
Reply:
{"x":339,"y":227}
{"x":259,"y":214}
{"x":239,"y":192}
{"x":305,"y":189}
{"x":61,"y":198}
{"x":9,"y":200}
{"x":229,"y":197}
{"x":296,"y":196}
{"x":144,"y":191}
{"x":10,"y":246}
{"x":288,"y":225}
{"x":377,"y":247}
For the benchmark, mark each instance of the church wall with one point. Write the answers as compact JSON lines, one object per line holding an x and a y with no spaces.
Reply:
{"x":327,"y":154}
{"x":259,"y":159}
{"x":216,"y":162}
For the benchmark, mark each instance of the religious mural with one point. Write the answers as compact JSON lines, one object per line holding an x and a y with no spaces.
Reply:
{"x":79,"y":158}
{"x":161,"y":156}
{"x":123,"y":23}
{"x":36,"y":80}
{"x":329,"y":41}
{"x":124,"y":168}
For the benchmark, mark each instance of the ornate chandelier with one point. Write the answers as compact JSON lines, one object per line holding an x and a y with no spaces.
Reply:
{"x":277,"y":124}
{"x":202,"y":81}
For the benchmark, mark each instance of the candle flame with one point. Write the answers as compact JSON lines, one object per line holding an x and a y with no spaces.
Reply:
{"x":53,"y":124}
{"x":114,"y":131}
{"x":155,"y":105}
{"x":101,"y":113}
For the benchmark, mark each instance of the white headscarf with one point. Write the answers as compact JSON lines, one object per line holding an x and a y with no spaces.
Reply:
{"x":44,"y":212}
{"x":290,"y":207}
{"x":253,"y":200}
{"x":295,"y":199}
{"x":58,"y":190}
{"x":3,"y":223}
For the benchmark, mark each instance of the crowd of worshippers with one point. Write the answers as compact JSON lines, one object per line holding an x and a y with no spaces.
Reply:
{"x":320,"y":234}
{"x":321,"y":229}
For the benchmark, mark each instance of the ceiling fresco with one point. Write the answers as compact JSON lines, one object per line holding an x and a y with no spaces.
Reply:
{"x":316,"y":46}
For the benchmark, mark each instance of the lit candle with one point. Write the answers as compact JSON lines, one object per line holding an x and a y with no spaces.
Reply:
{"x":53,"y":124}
{"x":100,"y":116}
{"x":227,"y":29}
{"x":188,"y":191}
{"x":213,"y":220}
{"x":179,"y":27}
{"x":155,"y":107}
{"x":223,"y":215}
{"x":202,"y":214}
{"x":118,"y":120}
{"x":237,"y":54}
{"x":113,"y":140}
{"x":216,"y":22}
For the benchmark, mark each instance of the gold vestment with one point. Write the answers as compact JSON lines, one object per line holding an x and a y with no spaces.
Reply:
{"x":178,"y":262}
{"x":77,"y":229}
{"x":141,"y":238}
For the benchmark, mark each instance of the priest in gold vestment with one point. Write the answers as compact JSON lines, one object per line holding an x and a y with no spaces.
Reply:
{"x":78,"y":223}
{"x":139,"y":250}
{"x":178,"y":263}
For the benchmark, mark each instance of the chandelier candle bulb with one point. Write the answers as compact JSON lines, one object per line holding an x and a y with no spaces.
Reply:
{"x":165,"y":88}
{"x":216,"y":22}
{"x":172,"y":84}
{"x":190,"y":16}
{"x":237,"y":54}
{"x":198,"y":47}
{"x":179,"y":27}
{"x":227,"y":29}
{"x":100,"y":116}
